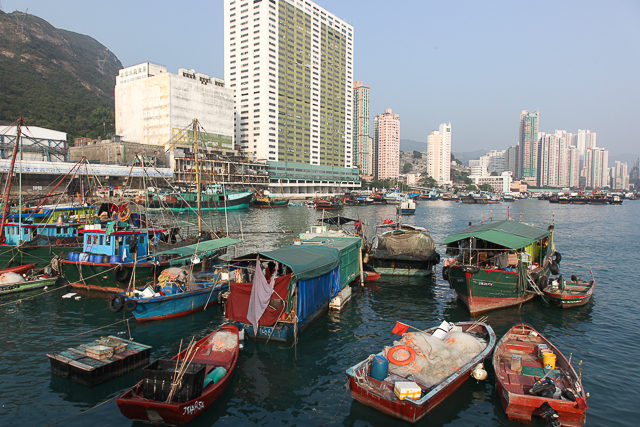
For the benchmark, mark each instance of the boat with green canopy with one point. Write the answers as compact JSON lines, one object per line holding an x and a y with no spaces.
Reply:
{"x":296,"y":287}
{"x":499,"y":264}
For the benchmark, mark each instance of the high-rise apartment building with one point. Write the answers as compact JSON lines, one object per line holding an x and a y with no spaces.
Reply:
{"x":554,"y":168}
{"x":153,"y":106}
{"x":620,"y":176}
{"x":511,"y":160}
{"x":361,"y":139}
{"x":439,"y":154}
{"x":585,"y":139}
{"x":386,"y":143}
{"x":574,"y":167}
{"x":528,"y":146}
{"x":597,"y":167}
{"x":290,"y":63}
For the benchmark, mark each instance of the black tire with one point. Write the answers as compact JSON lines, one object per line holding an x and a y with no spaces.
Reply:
{"x":557,"y":257}
{"x":445,"y":273}
{"x":116,"y":303}
{"x":130,"y":305}
{"x":121,"y":274}
{"x":553,"y":268}
{"x":436,"y":258}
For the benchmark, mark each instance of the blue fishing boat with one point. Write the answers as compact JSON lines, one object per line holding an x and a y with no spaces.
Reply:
{"x":307,"y":278}
{"x":178,"y":292}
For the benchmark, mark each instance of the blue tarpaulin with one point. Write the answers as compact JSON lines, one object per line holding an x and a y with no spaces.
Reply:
{"x":315,"y":292}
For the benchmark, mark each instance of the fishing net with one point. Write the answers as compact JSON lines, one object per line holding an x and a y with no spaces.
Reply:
{"x":223,"y":341}
{"x":10,"y":277}
{"x":403,"y":242}
{"x":435,"y":359}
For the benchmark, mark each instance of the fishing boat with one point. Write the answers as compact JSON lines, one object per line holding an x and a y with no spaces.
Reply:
{"x":486,"y":199}
{"x":14,"y":282}
{"x":407,"y":207}
{"x":533,"y":378}
{"x":178,"y":292}
{"x":615,"y":199}
{"x":200,"y":373}
{"x":569,"y":294}
{"x":417,"y":373}
{"x":112,"y":253}
{"x":306,"y":279}
{"x":211,"y":199}
{"x":268,"y":202}
{"x":499,"y":264}
{"x":394,"y":198}
{"x":401,"y":249}
{"x":328,"y":203}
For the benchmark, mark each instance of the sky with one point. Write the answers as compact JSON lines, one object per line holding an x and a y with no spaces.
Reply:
{"x":475,"y":64}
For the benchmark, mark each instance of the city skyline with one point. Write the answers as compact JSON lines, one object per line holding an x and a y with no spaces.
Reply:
{"x":478,"y":82}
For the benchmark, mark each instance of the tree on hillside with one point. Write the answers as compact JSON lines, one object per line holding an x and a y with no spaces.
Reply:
{"x":453,"y":159}
{"x":408,"y":167}
{"x":417,"y":154}
{"x":429,"y":182}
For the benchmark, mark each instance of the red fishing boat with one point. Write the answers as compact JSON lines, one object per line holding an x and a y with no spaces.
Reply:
{"x":529,"y":385}
{"x":19,"y":269}
{"x":206,"y":368}
{"x":438,"y":361}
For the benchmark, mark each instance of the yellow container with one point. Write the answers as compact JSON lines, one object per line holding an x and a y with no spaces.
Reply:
{"x":549,"y":358}
{"x":404,"y":389}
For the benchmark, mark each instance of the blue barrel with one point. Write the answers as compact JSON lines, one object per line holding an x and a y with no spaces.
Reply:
{"x":96,"y":259}
{"x":106,"y":259}
{"x":115,"y":259}
{"x":379,"y":368}
{"x":84,"y":256}
{"x":73,"y":256}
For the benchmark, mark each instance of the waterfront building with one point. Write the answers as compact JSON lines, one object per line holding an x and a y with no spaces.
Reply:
{"x":554,"y":168}
{"x":37,"y":144}
{"x":574,"y":167}
{"x":597,"y":167}
{"x":620,"y":176}
{"x":585,"y":139}
{"x":528,"y":143}
{"x":499,"y":184}
{"x":439,"y":154}
{"x":493,"y":161}
{"x":155,"y":107}
{"x":386,"y":142}
{"x":362,"y":142}
{"x":511,"y":160}
{"x":290,"y":63}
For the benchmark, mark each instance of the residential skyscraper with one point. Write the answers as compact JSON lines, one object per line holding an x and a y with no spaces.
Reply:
{"x":584,"y":140}
{"x":574,"y":167}
{"x":386,"y":144}
{"x":439,"y":154}
{"x":597,"y":167}
{"x":528,"y":143}
{"x":361,"y":139}
{"x":290,"y":63}
{"x":620,"y":176}
{"x":511,"y":160}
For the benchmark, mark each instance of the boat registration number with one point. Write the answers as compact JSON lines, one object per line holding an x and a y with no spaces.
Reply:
{"x":485,"y":283}
{"x":191,"y":409}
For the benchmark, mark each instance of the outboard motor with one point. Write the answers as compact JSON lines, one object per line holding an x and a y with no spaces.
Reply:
{"x":549,"y":415}
{"x":543,"y":388}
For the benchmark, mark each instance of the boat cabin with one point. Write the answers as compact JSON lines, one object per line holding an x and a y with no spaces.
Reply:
{"x":112,"y":242}
{"x":15,"y":233}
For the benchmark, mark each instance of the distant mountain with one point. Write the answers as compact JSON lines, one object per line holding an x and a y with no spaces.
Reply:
{"x":411,"y":145}
{"x":464,"y":157}
{"x":55,"y":78}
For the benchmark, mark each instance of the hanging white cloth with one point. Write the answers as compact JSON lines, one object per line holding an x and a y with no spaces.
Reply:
{"x":260,"y":295}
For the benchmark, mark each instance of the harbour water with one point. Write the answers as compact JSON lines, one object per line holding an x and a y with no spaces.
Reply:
{"x":305,"y":384}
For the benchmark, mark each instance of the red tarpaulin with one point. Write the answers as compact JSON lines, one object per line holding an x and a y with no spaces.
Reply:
{"x":240,"y":294}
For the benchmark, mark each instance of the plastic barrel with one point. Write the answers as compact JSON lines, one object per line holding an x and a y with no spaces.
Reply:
{"x":83,"y":257}
{"x":73,"y":256}
{"x":379,"y":368}
{"x":115,"y":259}
{"x":106,"y":259}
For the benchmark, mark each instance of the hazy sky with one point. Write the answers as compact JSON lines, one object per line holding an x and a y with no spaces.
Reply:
{"x":477,"y":64}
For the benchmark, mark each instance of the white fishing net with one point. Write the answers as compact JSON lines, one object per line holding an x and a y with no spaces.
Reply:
{"x":10,"y":277}
{"x":222,"y":341}
{"x":435,"y":359}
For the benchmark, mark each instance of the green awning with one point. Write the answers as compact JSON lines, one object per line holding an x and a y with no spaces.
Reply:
{"x":507,"y":233}
{"x":306,"y":262}
{"x":203,"y":248}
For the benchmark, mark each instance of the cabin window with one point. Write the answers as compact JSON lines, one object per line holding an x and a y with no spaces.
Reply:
{"x":95,"y":239}
{"x":58,"y":230}
{"x":66,"y":230}
{"x":108,"y":240}
{"x":101,"y":240}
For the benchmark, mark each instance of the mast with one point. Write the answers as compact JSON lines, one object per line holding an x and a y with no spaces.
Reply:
{"x":5,"y":208}
{"x":195,"y":142}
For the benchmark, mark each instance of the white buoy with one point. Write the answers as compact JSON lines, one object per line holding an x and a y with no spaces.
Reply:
{"x":479,"y":373}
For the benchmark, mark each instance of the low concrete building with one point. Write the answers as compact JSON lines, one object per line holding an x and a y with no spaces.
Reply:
{"x":113,"y":151}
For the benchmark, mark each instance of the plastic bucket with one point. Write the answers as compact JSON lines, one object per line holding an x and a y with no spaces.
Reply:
{"x":379,"y":368}
{"x":549,"y":358}
{"x":442,"y":330}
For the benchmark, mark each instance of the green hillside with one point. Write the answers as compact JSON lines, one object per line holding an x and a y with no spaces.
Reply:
{"x":55,"y":78}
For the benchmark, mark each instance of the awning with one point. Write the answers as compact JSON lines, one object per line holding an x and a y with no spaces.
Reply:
{"x":507,"y":233}
{"x":306,"y":262}
{"x":200,"y":248}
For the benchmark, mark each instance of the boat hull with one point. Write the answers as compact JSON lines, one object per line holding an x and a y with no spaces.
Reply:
{"x":487,"y":289}
{"x":570,"y":299}
{"x":41,"y":255}
{"x":177,"y":305}
{"x":101,"y":277}
{"x":12,"y":288}
{"x":389,"y":267}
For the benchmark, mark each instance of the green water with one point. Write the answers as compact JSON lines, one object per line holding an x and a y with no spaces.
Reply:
{"x":278,"y":384}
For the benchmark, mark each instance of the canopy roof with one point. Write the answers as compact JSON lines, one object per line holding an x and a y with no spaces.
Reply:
{"x":201,"y":247}
{"x":306,"y":262}
{"x":336,"y":220}
{"x":508,"y":233}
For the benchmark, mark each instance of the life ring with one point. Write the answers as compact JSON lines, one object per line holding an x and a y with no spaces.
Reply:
{"x":445,"y":273}
{"x":130,"y":305}
{"x":59,"y":242}
{"x":116,"y":303}
{"x":121,"y":274}
{"x":3,"y":239}
{"x":408,"y":360}
{"x":124,"y":214}
{"x":557,"y":257}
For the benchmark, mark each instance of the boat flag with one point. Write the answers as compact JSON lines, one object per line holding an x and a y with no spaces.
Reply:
{"x":400,"y":328}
